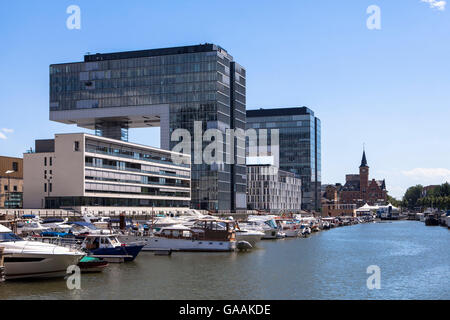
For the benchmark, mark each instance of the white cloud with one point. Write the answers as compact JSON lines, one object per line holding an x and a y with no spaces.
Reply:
{"x":435,"y":4}
{"x":428,"y":174}
{"x":2,"y":136}
{"x":8,"y":130}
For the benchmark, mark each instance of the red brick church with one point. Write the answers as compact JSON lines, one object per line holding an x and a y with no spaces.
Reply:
{"x":359,"y":190}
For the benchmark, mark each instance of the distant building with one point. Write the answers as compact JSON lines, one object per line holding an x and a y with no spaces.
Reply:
{"x":331,"y":193}
{"x":426,"y":190}
{"x":299,"y":146}
{"x":359,"y":190}
{"x":94,"y":174}
{"x":338,"y":209}
{"x":272,"y":190}
{"x":331,"y":206}
{"x":11,"y":182}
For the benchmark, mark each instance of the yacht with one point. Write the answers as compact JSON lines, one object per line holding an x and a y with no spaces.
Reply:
{"x":205,"y":235}
{"x":81,"y":229}
{"x":290,"y":227}
{"x":31,"y":227}
{"x":109,"y":247}
{"x":264,"y":224}
{"x":33,"y":259}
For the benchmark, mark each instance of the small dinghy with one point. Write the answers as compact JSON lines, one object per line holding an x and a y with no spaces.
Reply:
{"x":91,"y":264}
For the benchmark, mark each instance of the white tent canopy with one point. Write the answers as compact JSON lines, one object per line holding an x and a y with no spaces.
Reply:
{"x":366,"y":208}
{"x":391,"y":205}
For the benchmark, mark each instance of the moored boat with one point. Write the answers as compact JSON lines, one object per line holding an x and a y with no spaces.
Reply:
{"x":107,"y":246}
{"x":290,"y":227}
{"x":432,"y":220}
{"x":91,"y":264}
{"x":206,"y":235}
{"x":34,"y":259}
{"x":250,"y":236}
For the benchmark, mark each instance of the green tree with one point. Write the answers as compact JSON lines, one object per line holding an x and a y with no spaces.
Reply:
{"x":445,"y":189}
{"x":412,"y":195}
{"x":393,"y":201}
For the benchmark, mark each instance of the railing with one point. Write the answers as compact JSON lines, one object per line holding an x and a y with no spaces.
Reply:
{"x":104,"y":166}
{"x":113,"y":154}
{"x":139,"y":182}
{"x":43,"y":213}
{"x":70,"y":243}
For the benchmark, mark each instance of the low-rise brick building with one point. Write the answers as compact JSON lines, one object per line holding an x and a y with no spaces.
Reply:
{"x":11,"y":182}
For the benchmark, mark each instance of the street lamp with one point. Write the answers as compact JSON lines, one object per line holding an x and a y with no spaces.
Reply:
{"x":9,"y":186}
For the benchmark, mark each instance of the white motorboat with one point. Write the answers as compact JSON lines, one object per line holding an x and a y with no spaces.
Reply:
{"x":251,"y":236}
{"x":34,"y":259}
{"x":264,"y":224}
{"x":290,"y":227}
{"x":306,"y":230}
{"x":82,"y":228}
{"x":206,"y":235}
{"x":30,"y":227}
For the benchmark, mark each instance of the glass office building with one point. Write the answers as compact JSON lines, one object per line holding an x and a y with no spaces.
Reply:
{"x":300,"y":146}
{"x":170,"y":88}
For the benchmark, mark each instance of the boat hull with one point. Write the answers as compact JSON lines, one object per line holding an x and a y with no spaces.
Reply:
{"x":91,"y":267}
{"x":130,"y":251}
{"x":250,"y":238}
{"x":188,"y":245}
{"x":270,"y":234}
{"x":19,"y":266}
{"x":292,"y":233}
{"x":431,"y":222}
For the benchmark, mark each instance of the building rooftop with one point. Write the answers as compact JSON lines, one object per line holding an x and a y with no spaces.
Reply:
{"x":279,"y":112}
{"x":207,"y":47}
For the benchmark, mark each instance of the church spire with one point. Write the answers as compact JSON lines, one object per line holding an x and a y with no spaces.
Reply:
{"x":364,"y":160}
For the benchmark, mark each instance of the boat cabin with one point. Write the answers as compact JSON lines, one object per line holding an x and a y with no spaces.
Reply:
{"x":93,"y":242}
{"x":215,"y":229}
{"x":176,"y":232}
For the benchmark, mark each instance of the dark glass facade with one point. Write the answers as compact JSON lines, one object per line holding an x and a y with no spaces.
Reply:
{"x":300,"y":146}
{"x":194,"y":83}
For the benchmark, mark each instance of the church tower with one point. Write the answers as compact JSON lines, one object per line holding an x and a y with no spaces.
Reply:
{"x":364,"y":177}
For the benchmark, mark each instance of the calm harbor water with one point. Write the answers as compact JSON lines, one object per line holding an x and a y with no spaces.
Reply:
{"x":414,"y":261}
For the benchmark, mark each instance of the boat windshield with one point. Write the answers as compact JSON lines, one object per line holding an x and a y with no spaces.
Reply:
{"x":114,"y":241}
{"x":9,"y":237}
{"x":271,"y":224}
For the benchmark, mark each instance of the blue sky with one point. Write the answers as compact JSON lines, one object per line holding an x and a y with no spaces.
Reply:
{"x":388,"y":88}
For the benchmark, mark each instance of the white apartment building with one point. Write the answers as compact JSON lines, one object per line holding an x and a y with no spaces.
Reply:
{"x":100,"y":175}
{"x":272,"y":190}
